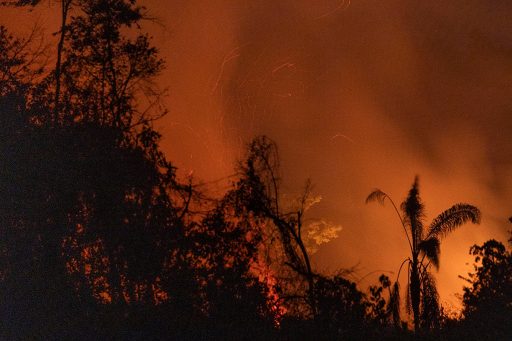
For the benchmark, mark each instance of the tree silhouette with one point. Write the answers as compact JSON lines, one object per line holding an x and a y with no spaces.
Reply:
{"x":105,"y":75}
{"x":259,"y":191}
{"x":315,"y":303}
{"x":90,"y":222}
{"x":100,"y":239}
{"x":424,"y":246}
{"x":487,"y":300}
{"x":19,"y":63}
{"x":226,"y":250}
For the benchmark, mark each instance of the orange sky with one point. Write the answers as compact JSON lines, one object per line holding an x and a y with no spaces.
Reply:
{"x":357,"y":95}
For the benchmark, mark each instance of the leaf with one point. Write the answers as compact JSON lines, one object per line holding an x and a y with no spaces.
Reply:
{"x":430,"y":302}
{"x":431,"y":249}
{"x":376,"y":195}
{"x":413,"y":210}
{"x":394,"y":304}
{"x":408,"y":302}
{"x":320,"y":232}
{"x":452,"y":218}
{"x":311,"y":201}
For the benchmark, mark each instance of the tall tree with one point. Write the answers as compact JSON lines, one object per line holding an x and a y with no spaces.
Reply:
{"x":65,"y":8}
{"x":90,"y":213}
{"x":106,"y":75}
{"x":424,"y":247}
{"x":259,"y":191}
{"x":304,"y":291}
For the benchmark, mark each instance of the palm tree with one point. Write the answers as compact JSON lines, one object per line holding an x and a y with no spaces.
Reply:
{"x":424,"y":246}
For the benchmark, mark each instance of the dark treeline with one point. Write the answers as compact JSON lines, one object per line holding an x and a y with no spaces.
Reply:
{"x":99,"y":239}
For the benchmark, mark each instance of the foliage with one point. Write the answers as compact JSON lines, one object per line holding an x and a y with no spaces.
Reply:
{"x":422,"y":297}
{"x":99,"y":239}
{"x":89,"y":207}
{"x":20,"y":62}
{"x":226,"y":252}
{"x":89,"y":225}
{"x":103,"y":71}
{"x":377,"y":302}
{"x":488,"y":298}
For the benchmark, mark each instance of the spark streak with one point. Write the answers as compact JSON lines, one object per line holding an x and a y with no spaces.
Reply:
{"x":343,"y":136}
{"x":229,"y":57}
{"x":280,"y":67}
{"x":344,"y":4}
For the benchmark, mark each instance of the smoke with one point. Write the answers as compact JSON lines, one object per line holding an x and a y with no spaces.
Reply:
{"x":358,"y":94}
{"x":368,"y":95}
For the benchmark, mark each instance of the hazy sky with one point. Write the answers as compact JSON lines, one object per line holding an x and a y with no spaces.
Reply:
{"x":357,"y":95}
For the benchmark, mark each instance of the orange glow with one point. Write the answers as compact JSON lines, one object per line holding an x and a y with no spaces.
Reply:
{"x":267,"y":277}
{"x":357,"y":95}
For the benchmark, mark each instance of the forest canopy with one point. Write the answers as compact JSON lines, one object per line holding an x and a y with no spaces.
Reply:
{"x":100,"y":238}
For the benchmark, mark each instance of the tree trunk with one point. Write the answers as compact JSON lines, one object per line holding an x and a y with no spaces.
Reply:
{"x":58,"y":67}
{"x":415,"y":293}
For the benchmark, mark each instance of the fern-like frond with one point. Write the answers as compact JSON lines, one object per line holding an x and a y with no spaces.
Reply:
{"x":408,"y":301}
{"x":394,"y":304}
{"x":414,"y":212}
{"x":431,"y":248}
{"x":430,"y":311}
{"x":452,"y":218}
{"x":376,"y":195}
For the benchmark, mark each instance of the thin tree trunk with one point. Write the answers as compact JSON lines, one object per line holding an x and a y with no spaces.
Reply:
{"x":305,"y":255}
{"x":58,"y":67}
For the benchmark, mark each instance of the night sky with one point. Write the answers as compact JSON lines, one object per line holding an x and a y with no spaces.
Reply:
{"x":358,"y":95}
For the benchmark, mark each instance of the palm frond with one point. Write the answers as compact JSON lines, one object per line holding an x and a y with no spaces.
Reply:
{"x":431,"y":248}
{"x":452,"y":218}
{"x":394,"y":304}
{"x":414,"y":211}
{"x":376,"y":195}
{"x":408,"y":302}
{"x":430,"y":311}
{"x":379,"y":196}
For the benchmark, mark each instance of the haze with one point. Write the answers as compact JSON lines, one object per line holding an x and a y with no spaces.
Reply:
{"x":357,"y":95}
